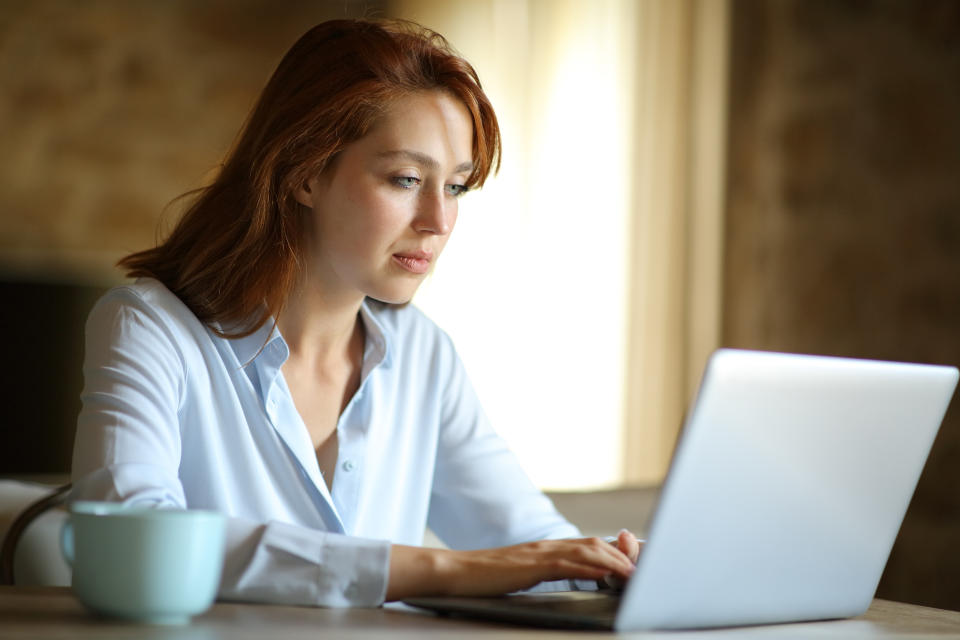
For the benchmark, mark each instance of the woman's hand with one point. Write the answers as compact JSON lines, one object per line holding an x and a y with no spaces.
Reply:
{"x":630,"y":546}
{"x":416,"y":571}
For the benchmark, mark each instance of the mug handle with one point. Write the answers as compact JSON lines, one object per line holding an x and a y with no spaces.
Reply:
{"x":66,"y":542}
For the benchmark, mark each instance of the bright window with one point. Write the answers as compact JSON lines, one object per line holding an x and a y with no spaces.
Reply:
{"x":582,"y":285}
{"x":532,"y":285}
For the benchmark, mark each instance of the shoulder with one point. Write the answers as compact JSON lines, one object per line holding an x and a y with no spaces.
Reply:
{"x":144,"y":307}
{"x":148,"y":297}
{"x":146,"y":294}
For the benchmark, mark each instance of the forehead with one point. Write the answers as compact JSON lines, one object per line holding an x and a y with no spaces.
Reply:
{"x":431,"y":122}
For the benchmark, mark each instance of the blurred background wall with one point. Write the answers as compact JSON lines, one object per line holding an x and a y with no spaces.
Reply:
{"x":841,"y":226}
{"x":843,"y":216}
{"x":110,"y":109}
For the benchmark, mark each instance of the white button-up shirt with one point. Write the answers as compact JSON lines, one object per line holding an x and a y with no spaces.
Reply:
{"x":174,"y":415}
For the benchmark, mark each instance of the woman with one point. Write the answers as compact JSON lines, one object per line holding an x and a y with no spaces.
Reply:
{"x":265,"y":364}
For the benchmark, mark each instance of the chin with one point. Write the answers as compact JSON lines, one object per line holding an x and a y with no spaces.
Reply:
{"x":393,"y":290}
{"x":393,"y":297}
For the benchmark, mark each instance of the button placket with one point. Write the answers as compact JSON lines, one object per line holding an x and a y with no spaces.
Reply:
{"x":346,"y":485}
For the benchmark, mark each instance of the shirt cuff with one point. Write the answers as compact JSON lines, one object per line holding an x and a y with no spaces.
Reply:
{"x":290,"y":564}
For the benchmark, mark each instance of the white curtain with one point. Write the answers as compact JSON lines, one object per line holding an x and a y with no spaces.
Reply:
{"x":565,"y":285}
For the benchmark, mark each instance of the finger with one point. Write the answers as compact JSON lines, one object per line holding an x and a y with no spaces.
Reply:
{"x":629,"y":545}
{"x":622,"y":565}
{"x":592,"y":555}
{"x":585,"y":552}
{"x":581,"y":571}
{"x":599,"y":554}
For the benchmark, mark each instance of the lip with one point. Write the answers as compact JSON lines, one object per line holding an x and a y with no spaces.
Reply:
{"x":417,"y":262}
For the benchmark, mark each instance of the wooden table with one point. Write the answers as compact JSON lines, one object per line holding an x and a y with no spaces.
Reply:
{"x":41,"y":613}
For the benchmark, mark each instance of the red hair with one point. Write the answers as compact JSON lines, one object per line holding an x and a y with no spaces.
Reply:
{"x":236,"y":253}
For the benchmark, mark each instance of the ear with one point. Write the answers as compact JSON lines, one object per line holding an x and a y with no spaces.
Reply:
{"x":304,"y":195}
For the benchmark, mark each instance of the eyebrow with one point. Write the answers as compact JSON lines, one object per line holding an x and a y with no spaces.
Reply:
{"x":424,"y":160}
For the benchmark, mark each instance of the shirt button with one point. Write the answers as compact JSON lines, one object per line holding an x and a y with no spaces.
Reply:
{"x":348,"y":465}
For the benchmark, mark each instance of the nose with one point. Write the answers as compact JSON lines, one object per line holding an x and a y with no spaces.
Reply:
{"x":435,"y":214}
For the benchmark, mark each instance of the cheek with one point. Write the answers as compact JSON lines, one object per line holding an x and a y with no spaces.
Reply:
{"x":366,"y":212}
{"x":383,"y":216}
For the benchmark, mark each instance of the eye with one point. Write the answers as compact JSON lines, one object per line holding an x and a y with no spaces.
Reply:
{"x":457,"y":190}
{"x":406,"y":182}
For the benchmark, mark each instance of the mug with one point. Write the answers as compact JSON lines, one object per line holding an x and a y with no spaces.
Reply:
{"x":159,"y":566}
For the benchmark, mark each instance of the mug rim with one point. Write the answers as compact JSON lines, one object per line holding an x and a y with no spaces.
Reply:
{"x":106,"y":508}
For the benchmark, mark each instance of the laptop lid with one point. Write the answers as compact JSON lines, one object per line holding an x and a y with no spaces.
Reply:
{"x":787,"y":489}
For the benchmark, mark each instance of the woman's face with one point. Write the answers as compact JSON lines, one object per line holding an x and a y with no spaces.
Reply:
{"x":382,"y":213}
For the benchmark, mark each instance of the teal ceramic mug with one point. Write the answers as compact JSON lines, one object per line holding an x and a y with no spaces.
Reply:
{"x":159,"y":566}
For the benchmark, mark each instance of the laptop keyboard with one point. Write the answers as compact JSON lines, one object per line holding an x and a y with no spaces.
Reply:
{"x":561,"y":609}
{"x":587,"y":603}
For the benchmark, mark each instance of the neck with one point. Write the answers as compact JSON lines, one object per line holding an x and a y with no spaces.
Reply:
{"x":319,"y":327}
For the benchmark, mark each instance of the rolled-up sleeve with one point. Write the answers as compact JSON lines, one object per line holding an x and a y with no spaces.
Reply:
{"x":287,"y":564}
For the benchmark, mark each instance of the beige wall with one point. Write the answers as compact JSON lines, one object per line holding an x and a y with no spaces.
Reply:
{"x":843,"y":221}
{"x":108,"y":110}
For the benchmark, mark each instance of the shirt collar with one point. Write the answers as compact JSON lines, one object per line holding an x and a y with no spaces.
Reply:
{"x":248,"y":348}
{"x":379,"y":347}
{"x":377,"y":350}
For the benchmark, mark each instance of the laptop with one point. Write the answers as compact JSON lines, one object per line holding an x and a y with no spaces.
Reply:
{"x":787,"y":488}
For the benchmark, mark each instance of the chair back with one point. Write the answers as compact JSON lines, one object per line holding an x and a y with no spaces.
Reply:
{"x":15,"y":533}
